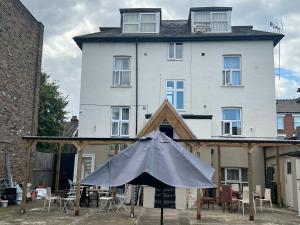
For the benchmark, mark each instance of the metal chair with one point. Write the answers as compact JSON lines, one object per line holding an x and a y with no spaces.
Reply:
{"x":51,"y":198}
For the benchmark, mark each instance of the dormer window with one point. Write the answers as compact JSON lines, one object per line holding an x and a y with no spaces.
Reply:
{"x":211,"y":20}
{"x":140,"y":22}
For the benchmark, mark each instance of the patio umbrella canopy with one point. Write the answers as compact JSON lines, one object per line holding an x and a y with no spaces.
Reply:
{"x":155,"y":160}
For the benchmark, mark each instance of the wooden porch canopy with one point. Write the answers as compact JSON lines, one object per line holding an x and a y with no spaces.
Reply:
{"x":247,"y":144}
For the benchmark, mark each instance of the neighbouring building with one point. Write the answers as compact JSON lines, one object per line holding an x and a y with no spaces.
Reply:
{"x":288,"y":116}
{"x":218,"y":77}
{"x":21,"y":37}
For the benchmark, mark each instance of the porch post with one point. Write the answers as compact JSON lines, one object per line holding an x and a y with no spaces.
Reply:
{"x":78,"y":177}
{"x":28,"y":148}
{"x":278,"y":181}
{"x":250,"y":184}
{"x":219,"y":174}
{"x":57,"y":173}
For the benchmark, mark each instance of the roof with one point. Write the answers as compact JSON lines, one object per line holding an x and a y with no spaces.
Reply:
{"x":166,"y":112}
{"x":140,"y":10}
{"x":177,"y":30}
{"x":216,"y":8}
{"x":188,"y":116}
{"x":288,"y":105}
{"x":71,"y":127}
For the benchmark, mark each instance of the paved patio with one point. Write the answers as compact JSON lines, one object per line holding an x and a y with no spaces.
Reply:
{"x":37,"y":215}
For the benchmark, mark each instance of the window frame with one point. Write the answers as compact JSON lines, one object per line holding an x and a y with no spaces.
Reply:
{"x":281,"y":117}
{"x":92,"y":156}
{"x":119,"y":84}
{"x":139,"y":22}
{"x":120,"y":121}
{"x":240,"y":182}
{"x":223,"y":121}
{"x":175,"y":90}
{"x":174,"y":51}
{"x":211,"y":21}
{"x":296,"y":116}
{"x":224,"y":83}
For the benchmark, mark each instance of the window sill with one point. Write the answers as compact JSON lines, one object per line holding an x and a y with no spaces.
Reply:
{"x":231,"y":136}
{"x":232,"y":86}
{"x":175,"y":59}
{"x":121,"y":86}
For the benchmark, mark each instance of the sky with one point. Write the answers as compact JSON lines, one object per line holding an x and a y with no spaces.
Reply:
{"x":64,"y":19}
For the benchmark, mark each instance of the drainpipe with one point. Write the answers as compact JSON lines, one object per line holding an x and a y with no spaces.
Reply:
{"x":136,"y":86}
{"x":265,"y":164}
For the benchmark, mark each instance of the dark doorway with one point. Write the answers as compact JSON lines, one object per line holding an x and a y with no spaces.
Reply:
{"x":169,"y":193}
{"x":167,"y":130}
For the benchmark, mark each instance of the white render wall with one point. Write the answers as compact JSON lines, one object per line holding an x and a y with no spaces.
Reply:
{"x":204,"y":93}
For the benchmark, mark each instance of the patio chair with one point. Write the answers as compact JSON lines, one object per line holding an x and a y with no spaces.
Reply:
{"x":51,"y":198}
{"x":267,"y":198}
{"x":257,"y":193}
{"x":227,"y":198}
{"x":121,"y":198}
{"x":245,"y":200}
{"x":235,"y":187}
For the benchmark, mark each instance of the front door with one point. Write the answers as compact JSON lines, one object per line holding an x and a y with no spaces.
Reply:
{"x":288,"y":183}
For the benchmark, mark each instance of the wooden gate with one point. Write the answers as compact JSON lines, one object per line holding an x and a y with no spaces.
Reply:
{"x":42,"y":172}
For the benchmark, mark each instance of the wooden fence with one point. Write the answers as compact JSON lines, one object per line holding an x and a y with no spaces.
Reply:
{"x":42,"y":172}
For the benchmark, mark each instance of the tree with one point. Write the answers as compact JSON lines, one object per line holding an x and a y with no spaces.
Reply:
{"x":52,"y":111}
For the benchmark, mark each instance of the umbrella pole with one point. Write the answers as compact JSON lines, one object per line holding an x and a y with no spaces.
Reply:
{"x":161,"y":206}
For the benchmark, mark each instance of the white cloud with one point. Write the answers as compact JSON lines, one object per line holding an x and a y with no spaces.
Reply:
{"x":286,"y":88}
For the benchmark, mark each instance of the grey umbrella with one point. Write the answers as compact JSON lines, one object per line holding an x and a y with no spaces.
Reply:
{"x":154,"y":160}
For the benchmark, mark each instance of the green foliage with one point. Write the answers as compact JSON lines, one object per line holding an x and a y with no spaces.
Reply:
{"x":52,"y":111}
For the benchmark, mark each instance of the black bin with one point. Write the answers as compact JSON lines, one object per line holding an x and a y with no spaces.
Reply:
{"x":11,"y":195}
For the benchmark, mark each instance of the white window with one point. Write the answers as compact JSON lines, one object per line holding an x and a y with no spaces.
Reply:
{"x":232,"y":70}
{"x":87,"y":165}
{"x":116,"y":148}
{"x":175,"y":51}
{"x":231,"y":121}
{"x":235,"y":176}
{"x":175,"y":93}
{"x":206,"y":21}
{"x":120,"y":121}
{"x":121,"y":70}
{"x":280,"y":122}
{"x":296,"y":121}
{"x":140,"y":22}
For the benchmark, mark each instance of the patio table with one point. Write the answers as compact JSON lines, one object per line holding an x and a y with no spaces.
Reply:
{"x":67,"y":203}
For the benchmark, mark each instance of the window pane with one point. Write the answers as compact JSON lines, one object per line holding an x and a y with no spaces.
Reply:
{"x":131,"y":27}
{"x":219,"y":16}
{"x":122,"y":63}
{"x":280,"y":122}
{"x":244,"y":174}
{"x":236,"y":78}
{"x":296,"y":121}
{"x":170,"y":84}
{"x":226,"y":127}
{"x":178,"y":50}
{"x":233,"y":174}
{"x":180,"y":100}
{"x":124,"y":129}
{"x":202,"y":17}
{"x":115,"y":113}
{"x":125,"y":113}
{"x":116,"y":77}
{"x":170,"y":97}
{"x":171,"y":50}
{"x":131,"y":18}
{"x":125,"y":78}
{"x":179,"y":85}
{"x":231,"y":114}
{"x":148,"y":18}
{"x":148,"y":27}
{"x":231,"y":62}
{"x":115,"y":129}
{"x":236,"y":128}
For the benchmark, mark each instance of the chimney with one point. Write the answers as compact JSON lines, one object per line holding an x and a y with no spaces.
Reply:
{"x":74,"y":120}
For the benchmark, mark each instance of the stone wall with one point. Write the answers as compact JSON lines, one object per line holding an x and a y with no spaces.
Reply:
{"x":21,"y":40}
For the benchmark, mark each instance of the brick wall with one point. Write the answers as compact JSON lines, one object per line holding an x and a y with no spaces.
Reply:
{"x":21,"y":38}
{"x":288,"y":121}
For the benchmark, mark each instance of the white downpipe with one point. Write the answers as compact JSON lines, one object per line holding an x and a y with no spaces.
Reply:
{"x":298,"y":182}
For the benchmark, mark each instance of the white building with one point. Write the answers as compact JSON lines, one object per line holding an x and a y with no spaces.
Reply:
{"x":217,"y":76}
